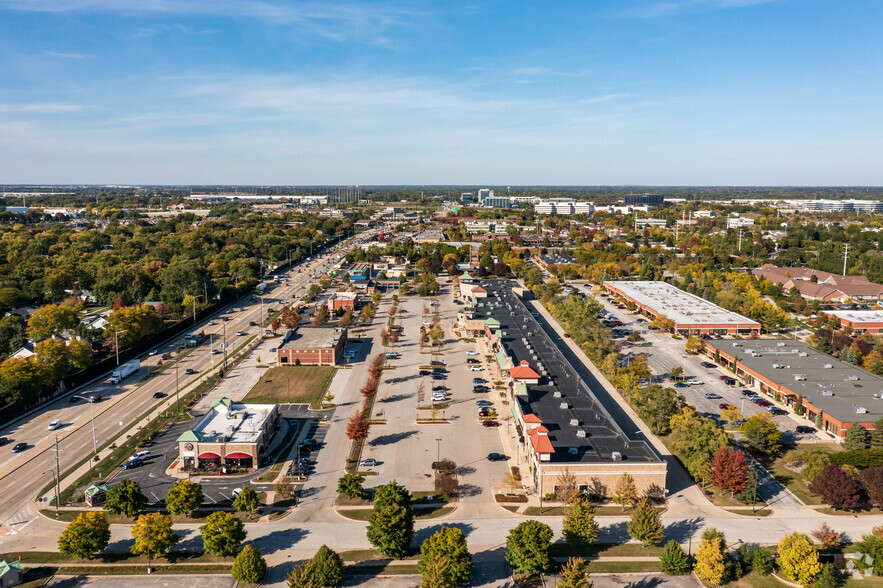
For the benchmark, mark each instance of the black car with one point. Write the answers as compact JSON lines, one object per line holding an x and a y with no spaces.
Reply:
{"x":159,"y":395}
{"x":805,"y":429}
{"x":480,"y":389}
{"x":425,"y":372}
{"x":778,"y":412}
{"x":3,"y":440}
{"x":439,"y":388}
{"x":478,"y":380}
{"x":748,"y":393}
{"x":74,"y":399}
{"x":436,"y":362}
{"x":308,"y":444}
{"x":439,"y":370}
{"x":496,"y":457}
{"x":706,"y":364}
{"x":133,"y":463}
{"x":19,"y":447}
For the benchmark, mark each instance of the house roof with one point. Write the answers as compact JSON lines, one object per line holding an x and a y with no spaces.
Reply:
{"x":191,"y":436}
{"x":8,"y":566}
{"x":532,"y":418}
{"x":523,"y":371}
{"x":540,"y":440}
{"x":95,"y":489}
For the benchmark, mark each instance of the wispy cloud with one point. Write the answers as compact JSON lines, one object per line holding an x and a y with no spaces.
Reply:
{"x":548,"y":72}
{"x":664,"y":8}
{"x":63,"y":55}
{"x":602,"y":98}
{"x":41,"y":108}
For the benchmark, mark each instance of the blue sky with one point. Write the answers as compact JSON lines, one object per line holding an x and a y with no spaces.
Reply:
{"x":585,"y":92}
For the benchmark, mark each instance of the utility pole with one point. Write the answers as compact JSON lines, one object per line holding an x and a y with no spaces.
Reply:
{"x":845,"y":255}
{"x":177,"y":385}
{"x":57,"y":475}
{"x":740,"y":240}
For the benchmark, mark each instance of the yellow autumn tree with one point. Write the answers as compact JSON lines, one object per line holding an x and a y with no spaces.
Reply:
{"x":710,"y":565}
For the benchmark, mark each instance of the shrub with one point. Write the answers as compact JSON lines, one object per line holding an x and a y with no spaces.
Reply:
{"x":674,"y":560}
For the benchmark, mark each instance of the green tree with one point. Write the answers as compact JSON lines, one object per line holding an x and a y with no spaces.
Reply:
{"x":125,"y":498}
{"x":857,"y":437}
{"x":625,"y":493}
{"x":528,"y":547}
{"x":222,"y":533}
{"x":50,"y":320}
{"x":153,"y":530}
{"x":132,"y":323}
{"x":710,"y":562}
{"x":52,"y":355}
{"x":761,"y":561}
{"x":85,"y":535}
{"x":645,"y":525}
{"x":656,"y":405}
{"x":580,"y":527}
{"x":247,"y":501}
{"x":448,"y":544}
{"x":303,"y":576}
{"x":350,"y":485}
{"x":696,"y":440}
{"x":249,"y":566}
{"x":674,"y":559}
{"x":798,"y":558}
{"x":761,"y":433}
{"x":327,"y":567}
{"x":184,"y":497}
{"x":391,"y":523}
{"x":828,"y":578}
{"x":574,"y":574}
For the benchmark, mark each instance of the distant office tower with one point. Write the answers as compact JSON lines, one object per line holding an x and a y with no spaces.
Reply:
{"x":484,"y":194}
{"x":564,"y":206}
{"x":644,"y":199}
{"x":467,"y":197}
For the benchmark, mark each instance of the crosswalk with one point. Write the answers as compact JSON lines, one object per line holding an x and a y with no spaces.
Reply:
{"x":19,"y":521}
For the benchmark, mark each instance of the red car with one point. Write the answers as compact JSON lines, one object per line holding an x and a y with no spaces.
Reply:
{"x":722,"y":378}
{"x":490,"y":424}
{"x":724,"y":406}
{"x":566,"y":336}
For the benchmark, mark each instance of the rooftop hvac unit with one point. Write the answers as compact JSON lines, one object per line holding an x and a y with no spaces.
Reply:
{"x":860,"y":410}
{"x":581,"y":432}
{"x":574,"y":422}
{"x":556,"y":394}
{"x":617,"y":456}
{"x":828,"y":366}
{"x":564,"y":405}
{"x":827,"y":393}
{"x":803,"y":354}
{"x":854,"y":378}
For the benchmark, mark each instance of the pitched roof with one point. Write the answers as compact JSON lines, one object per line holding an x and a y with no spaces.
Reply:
{"x":95,"y":489}
{"x":225,"y":401}
{"x":523,"y":371}
{"x":191,"y":436}
{"x":532,"y":418}
{"x":540,"y":440}
{"x":7,"y":566}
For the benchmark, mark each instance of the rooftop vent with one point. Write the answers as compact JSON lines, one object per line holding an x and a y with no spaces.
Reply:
{"x":572,"y":451}
{"x":564,"y":405}
{"x":828,"y":366}
{"x":574,"y":422}
{"x":860,"y":410}
{"x":617,"y":456}
{"x":854,"y":378}
{"x":827,"y":393}
{"x":580,"y":433}
{"x":556,"y":394}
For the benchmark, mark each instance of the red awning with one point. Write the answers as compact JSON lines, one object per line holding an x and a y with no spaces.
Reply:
{"x":238,"y":455}
{"x":209,"y":455}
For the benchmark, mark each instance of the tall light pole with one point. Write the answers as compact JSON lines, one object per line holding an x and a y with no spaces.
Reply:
{"x":91,"y":401}
{"x":116,"y":343}
{"x":194,"y":306}
{"x":177,"y":386}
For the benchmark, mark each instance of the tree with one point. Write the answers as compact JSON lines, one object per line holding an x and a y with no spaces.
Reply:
{"x":661,"y":322}
{"x":695,"y":440}
{"x":79,"y":353}
{"x":303,"y":575}
{"x":51,"y":355}
{"x":857,"y":437}
{"x":528,"y":547}
{"x":761,"y":433}
{"x":624,"y":492}
{"x":872,"y":480}
{"x":222,"y":534}
{"x":132,"y":323}
{"x":327,"y":567}
{"x":829,"y":577}
{"x":836,"y":487}
{"x":247,"y":501}
{"x":656,"y":405}
{"x":798,"y":558}
{"x":565,"y":487}
{"x":153,"y":529}
{"x":357,"y":427}
{"x":249,"y":566}
{"x":761,"y":561}
{"x":645,"y":525}
{"x":573,"y":574}
{"x":447,"y":544}
{"x":391,"y":523}
{"x":290,"y":317}
{"x":710,"y":562}
{"x":85,"y":535}
{"x":731,"y":415}
{"x":184,"y":497}
{"x":320,"y":317}
{"x":694,"y":344}
{"x":579,"y":526}
{"x":50,"y":320}
{"x":674,"y":560}
{"x":827,"y":536}
{"x":729,"y":470}
{"x":350,"y":485}
{"x":125,"y":498}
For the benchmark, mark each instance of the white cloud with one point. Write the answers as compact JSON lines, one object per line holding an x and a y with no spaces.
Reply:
{"x":41,"y":108}
{"x":63,"y":55}
{"x":602,"y":98}
{"x":663,"y":8}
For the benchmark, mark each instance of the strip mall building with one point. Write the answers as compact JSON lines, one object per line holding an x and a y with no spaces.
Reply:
{"x":794,"y":373}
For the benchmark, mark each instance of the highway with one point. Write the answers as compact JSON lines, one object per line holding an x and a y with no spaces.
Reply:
{"x":24,"y":474}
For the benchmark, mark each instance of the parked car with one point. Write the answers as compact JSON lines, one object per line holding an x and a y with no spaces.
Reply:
{"x":748,"y":393}
{"x":490,"y":423}
{"x":722,"y":378}
{"x":480,"y":389}
{"x":473,"y":353}
{"x":308,"y":444}
{"x":368,"y":463}
{"x":706,"y":364}
{"x":19,"y":447}
{"x":712,"y":396}
{"x":479,"y":381}
{"x":496,"y":457}
{"x":805,"y":429}
{"x":472,"y":360}
{"x":484,"y":403}
{"x":777,"y":411}
{"x":425,"y":372}
{"x":681,"y":385}
{"x":695,"y":382}
{"x":476,"y":368}
{"x":724,"y":406}
{"x":730,"y":382}
{"x":133,"y":463}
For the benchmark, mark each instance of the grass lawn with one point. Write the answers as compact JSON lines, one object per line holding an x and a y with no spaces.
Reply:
{"x":137,"y":570}
{"x":386,"y":570}
{"x":54,"y":558}
{"x":355,"y":555}
{"x":362,"y":514}
{"x":605,"y":550}
{"x":753,"y":580}
{"x":760,"y":512}
{"x":559,"y":511}
{"x":791,"y":480}
{"x":620,"y":567}
{"x":69,"y":515}
{"x":302,"y":384}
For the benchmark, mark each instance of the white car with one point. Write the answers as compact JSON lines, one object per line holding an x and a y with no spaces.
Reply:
{"x":472,"y":353}
{"x":695,"y":382}
{"x":152,"y":352}
{"x":439,"y":397}
{"x":368,"y":463}
{"x":476,"y":368}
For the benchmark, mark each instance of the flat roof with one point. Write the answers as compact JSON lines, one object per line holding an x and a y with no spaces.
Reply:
{"x":524,"y":339}
{"x":233,"y":422}
{"x":683,"y":308}
{"x":837,"y":388}
{"x":858,"y":316}
{"x":311,"y":338}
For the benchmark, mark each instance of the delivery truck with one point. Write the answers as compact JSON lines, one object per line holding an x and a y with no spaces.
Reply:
{"x":125,"y":370}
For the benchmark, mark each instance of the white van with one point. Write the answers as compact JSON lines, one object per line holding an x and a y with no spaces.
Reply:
{"x":56,"y":424}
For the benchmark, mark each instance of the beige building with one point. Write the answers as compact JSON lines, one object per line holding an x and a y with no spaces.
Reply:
{"x":231,"y":436}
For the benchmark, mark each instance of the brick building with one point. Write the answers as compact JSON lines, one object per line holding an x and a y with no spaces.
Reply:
{"x":312,"y":346}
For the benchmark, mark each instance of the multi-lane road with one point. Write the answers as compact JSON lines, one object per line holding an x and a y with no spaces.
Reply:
{"x":23,"y":475}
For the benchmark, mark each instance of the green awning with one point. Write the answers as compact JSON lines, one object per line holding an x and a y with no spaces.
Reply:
{"x":503,"y":360}
{"x":491,"y":322}
{"x":521,"y":389}
{"x":95,"y":489}
{"x":191,"y":436}
{"x":225,"y":401}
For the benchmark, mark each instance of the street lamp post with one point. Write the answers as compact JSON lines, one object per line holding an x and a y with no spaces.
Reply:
{"x":177,"y":386}
{"x":116,"y":343}
{"x":194,"y":306}
{"x":91,"y":401}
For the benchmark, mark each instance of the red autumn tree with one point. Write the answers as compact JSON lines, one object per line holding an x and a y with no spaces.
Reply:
{"x":872,"y":480}
{"x":729,"y":470}
{"x":275,"y":324}
{"x":290,"y":317}
{"x":369,"y":389}
{"x":836,"y":487}
{"x":357,"y":427}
